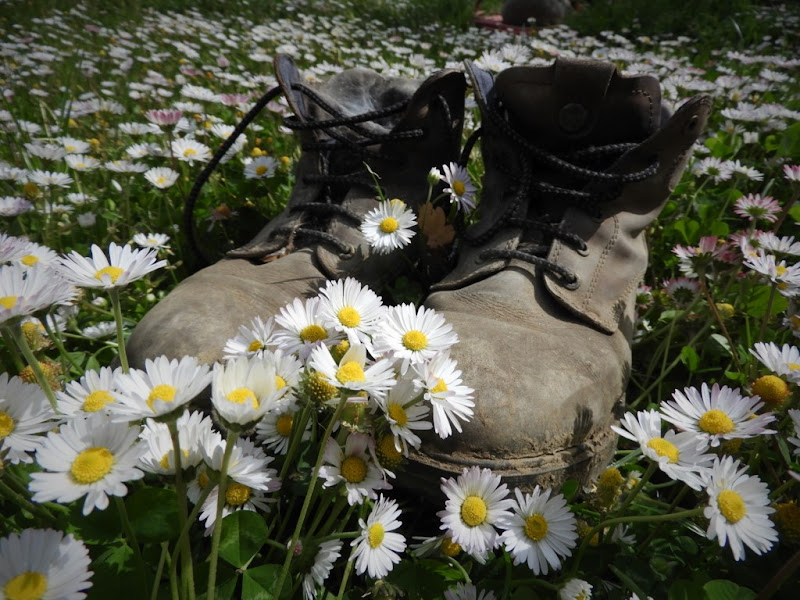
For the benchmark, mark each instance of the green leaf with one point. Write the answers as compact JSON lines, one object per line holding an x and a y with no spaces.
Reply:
{"x":789,"y":144}
{"x":722,"y":589}
{"x":758,"y":300}
{"x":686,"y":590}
{"x":153,"y":513}
{"x":719,"y":229}
{"x":420,"y":580}
{"x":794,"y":213}
{"x":570,"y":488}
{"x":227,"y":579}
{"x":722,"y":341}
{"x":259,"y":583}
{"x":98,"y":527}
{"x":243,"y":534}
{"x":689,"y":229}
{"x":690,"y":358}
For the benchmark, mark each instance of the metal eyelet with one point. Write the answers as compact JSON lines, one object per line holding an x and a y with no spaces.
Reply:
{"x":574,"y":284}
{"x":351,"y":252}
{"x":583,"y":250}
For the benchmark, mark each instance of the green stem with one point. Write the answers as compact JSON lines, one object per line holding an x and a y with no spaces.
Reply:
{"x":19,"y":364}
{"x":159,"y":570}
{"x":651,"y":468}
{"x":130,"y":537}
{"x":298,"y":428}
{"x":56,"y":338}
{"x":780,"y":577}
{"x":222,"y":486}
{"x":347,"y":535}
{"x":713,"y":306}
{"x":187,"y":568}
{"x":657,"y":529}
{"x":185,"y":532}
{"x":115,"y":303}
{"x":25,"y":503}
{"x":457,"y":565}
{"x":16,"y":333}
{"x":348,"y":569}
{"x":310,"y":493}
{"x":768,"y":312}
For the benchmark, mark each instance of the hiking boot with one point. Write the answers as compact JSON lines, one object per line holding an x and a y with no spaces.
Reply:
{"x":400,"y":128}
{"x":577,"y":165}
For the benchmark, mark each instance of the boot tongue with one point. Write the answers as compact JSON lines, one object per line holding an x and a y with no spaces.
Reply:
{"x":577,"y":103}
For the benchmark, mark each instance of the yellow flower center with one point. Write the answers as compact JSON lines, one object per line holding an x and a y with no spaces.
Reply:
{"x":29,"y":260}
{"x":350,"y":371}
{"x":112,"y":272}
{"x":260,"y":170}
{"x":388,"y":454}
{"x":189,"y":152}
{"x":91,"y":465}
{"x":280,"y":382}
{"x":771,"y":388}
{"x":389,"y":225}
{"x":283,"y":425}
{"x":237,"y":494}
{"x":731,"y":506}
{"x":780,"y":270}
{"x":8,"y":302}
{"x":164,"y":462}
{"x":255,"y":346}
{"x":439,"y":387}
{"x":415,"y":340}
{"x":375,"y":535}
{"x":7,"y":424}
{"x":349,"y":317}
{"x":313,"y":333}
{"x":449,"y":547}
{"x":161,"y":180}
{"x":398,"y":414}
{"x":458,"y":188}
{"x":664,"y":448}
{"x":339,"y":350}
{"x":242,"y":395}
{"x":536,"y":527}
{"x":163,"y":392}
{"x":203,"y":480}
{"x":319,"y":389}
{"x":29,"y":585}
{"x":97,"y":400}
{"x":473,"y":511}
{"x":354,"y":469}
{"x":787,"y":515}
{"x":716,"y":422}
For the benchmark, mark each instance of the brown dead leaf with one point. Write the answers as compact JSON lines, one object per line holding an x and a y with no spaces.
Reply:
{"x":433,"y":225}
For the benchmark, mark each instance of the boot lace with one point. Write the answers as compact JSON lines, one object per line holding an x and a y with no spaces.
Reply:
{"x":577,"y":168}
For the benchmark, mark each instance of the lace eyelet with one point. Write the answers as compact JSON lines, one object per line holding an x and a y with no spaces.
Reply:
{"x":574,"y":284}
{"x":583,"y":250}
{"x":351,"y":252}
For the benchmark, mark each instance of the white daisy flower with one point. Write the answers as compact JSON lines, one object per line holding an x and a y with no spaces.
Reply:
{"x":327,"y":553}
{"x":163,"y":388}
{"x":24,"y":291}
{"x":162,"y":177}
{"x":377,"y":548}
{"x":575,"y":589}
{"x":90,"y":456}
{"x":785,"y":277}
{"x":301,"y":327}
{"x":238,"y":496}
{"x":716,"y":414}
{"x":275,"y":429}
{"x":244,"y":389}
{"x":476,"y":502}
{"x":784,"y":361}
{"x":74,"y":146}
{"x":25,"y":414}
{"x":351,"y":308}
{"x":413,"y":335}
{"x":122,"y":266}
{"x":467,"y":591}
{"x":261,"y":167}
{"x":195,"y":431}
{"x":100,"y":330}
{"x":738,"y":509}
{"x":388,"y":227}
{"x":13,"y":206}
{"x":461,"y":189}
{"x":158,"y":241}
{"x":44,"y":563}
{"x":164,"y":116}
{"x":541,"y":531}
{"x":32,"y":255}
{"x":350,"y":373}
{"x":679,"y":455}
{"x":81,"y":162}
{"x":251,"y":340}
{"x":191,"y":151}
{"x":355,"y":467}
{"x":248,"y":464}
{"x":403,"y":420}
{"x":93,"y":392}
{"x":47,"y":179}
{"x":451,"y":400}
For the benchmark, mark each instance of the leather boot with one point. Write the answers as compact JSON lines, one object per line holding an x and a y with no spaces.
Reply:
{"x":400,"y":128}
{"x":577,"y":165}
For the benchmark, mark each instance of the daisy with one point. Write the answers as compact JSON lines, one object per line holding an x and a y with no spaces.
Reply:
{"x":275,"y":429}
{"x":47,"y":179}
{"x":125,"y":166}
{"x":785,"y":277}
{"x":476,"y":502}
{"x":467,"y":591}
{"x":162,"y":177}
{"x":451,"y":400}
{"x":89,"y":456}
{"x":260,"y":167}
{"x":100,"y":330}
{"x":377,"y":548}
{"x":749,"y":172}
{"x":24,"y":291}
{"x":195,"y":430}
{"x":74,"y":146}
{"x":161,"y":390}
{"x":784,"y":361}
{"x":541,"y":531}
{"x":355,"y":467}
{"x":715,"y":168}
{"x":791,"y":172}
{"x":25,"y":414}
{"x":158,"y":241}
{"x":81,"y":162}
{"x":350,"y":373}
{"x":248,"y":463}
{"x":244,"y":389}
{"x":770,"y":242}
{"x":738,"y":509}
{"x":575,"y":589}
{"x":351,"y":308}
{"x":46,"y":151}
{"x":164,"y":116}
{"x":388,"y":227}
{"x":404,"y":417}
{"x":300,"y":327}
{"x":93,"y":392}
{"x":413,"y":335}
{"x":31,"y":254}
{"x":754,"y":207}
{"x":13,"y":206}
{"x":716,"y":414}
{"x":251,"y":341}
{"x":237,"y":497}
{"x":188,"y":150}
{"x":679,"y":455}
{"x":682,"y":290}
{"x":44,"y":563}
{"x":122,"y":266}
{"x":461,"y":189}
{"x":326,"y":555}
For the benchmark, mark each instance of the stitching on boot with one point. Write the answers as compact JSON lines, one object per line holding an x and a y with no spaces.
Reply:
{"x":650,"y":103}
{"x":600,"y":263}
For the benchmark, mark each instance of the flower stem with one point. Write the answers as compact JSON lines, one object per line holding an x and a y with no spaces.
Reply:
{"x":159,"y":570}
{"x":130,"y":537}
{"x":651,"y":468}
{"x":115,"y":303}
{"x":25,"y":503}
{"x":19,"y":338}
{"x":230,"y":440}
{"x":187,"y":568}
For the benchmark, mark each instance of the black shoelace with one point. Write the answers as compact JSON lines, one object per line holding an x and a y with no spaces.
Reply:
{"x":529,"y":191}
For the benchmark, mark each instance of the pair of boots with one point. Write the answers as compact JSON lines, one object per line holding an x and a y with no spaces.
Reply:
{"x":578,"y":162}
